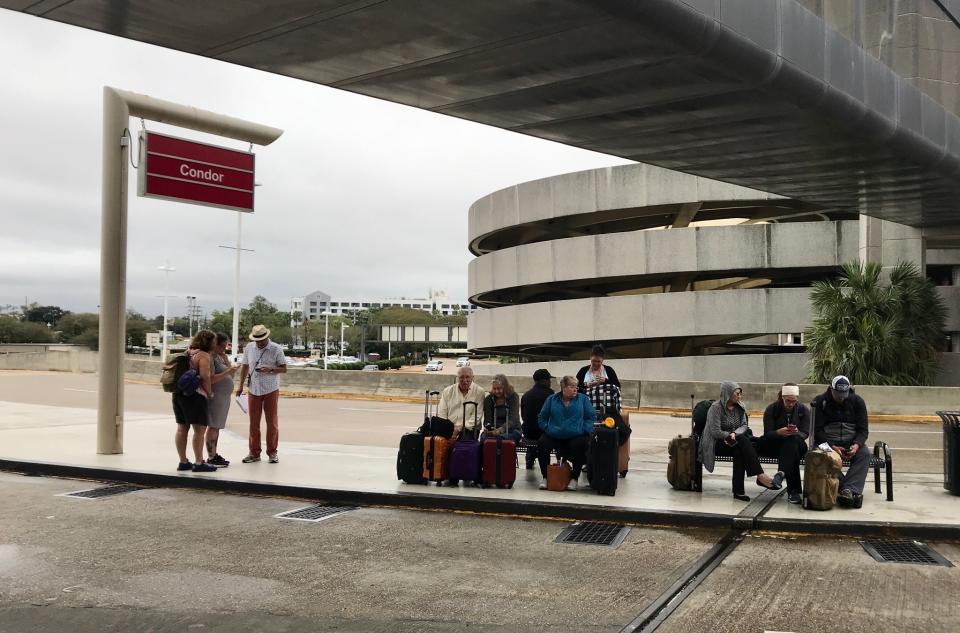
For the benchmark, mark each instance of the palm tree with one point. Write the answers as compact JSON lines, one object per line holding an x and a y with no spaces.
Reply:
{"x":875,"y":333}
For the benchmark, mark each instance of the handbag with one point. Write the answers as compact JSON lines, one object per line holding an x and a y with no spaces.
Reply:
{"x":558,"y":476}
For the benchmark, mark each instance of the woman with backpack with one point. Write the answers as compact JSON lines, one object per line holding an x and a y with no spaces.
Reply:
{"x":727,"y":432}
{"x":194,"y":389}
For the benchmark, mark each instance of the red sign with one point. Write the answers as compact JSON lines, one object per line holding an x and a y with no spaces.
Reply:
{"x":187,"y":171}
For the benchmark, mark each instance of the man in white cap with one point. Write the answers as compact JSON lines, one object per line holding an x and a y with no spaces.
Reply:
{"x":263,"y":360}
{"x":841,"y":421}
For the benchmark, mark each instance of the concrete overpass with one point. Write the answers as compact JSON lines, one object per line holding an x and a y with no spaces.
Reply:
{"x":760,"y":93}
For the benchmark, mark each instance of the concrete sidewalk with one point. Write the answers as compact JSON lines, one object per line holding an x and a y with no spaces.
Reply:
{"x":61,"y":441}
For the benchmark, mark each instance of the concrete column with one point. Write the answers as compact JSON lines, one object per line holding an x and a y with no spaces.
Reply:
{"x":870,"y":239}
{"x":889,"y":243}
{"x":955,"y":336}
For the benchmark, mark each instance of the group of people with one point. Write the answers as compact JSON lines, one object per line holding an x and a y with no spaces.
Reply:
{"x":206,"y":410}
{"x":840,"y":421}
{"x":558,"y":422}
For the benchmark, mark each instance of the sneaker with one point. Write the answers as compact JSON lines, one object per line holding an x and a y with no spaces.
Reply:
{"x":845,"y":498}
{"x":184,"y":466}
{"x":204,"y":468}
{"x":274,"y":459}
{"x":857,"y":501}
{"x":249,"y":459}
{"x":778,"y":480}
{"x":543,"y":484}
{"x":218,"y":461}
{"x":795,"y":498}
{"x":572,"y":485}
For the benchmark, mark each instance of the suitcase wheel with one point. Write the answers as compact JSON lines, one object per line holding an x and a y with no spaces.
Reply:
{"x":623,"y":474}
{"x":509,"y":486}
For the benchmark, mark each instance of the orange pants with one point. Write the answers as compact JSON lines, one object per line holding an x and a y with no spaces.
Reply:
{"x":264,"y":404}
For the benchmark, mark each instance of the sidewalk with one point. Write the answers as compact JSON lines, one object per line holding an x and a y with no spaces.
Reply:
{"x":62,"y":441}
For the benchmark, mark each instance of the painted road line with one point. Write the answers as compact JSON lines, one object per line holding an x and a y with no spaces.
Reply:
{"x":81,"y":390}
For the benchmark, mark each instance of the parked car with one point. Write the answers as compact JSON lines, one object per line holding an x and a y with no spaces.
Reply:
{"x":370,"y":368}
{"x":434,"y":365}
{"x":463,"y":361}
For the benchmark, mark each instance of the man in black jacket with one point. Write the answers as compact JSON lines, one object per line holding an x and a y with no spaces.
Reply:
{"x":841,"y":422}
{"x":530,"y":405}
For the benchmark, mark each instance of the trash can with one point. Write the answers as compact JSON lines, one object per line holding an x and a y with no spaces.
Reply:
{"x":951,"y":451}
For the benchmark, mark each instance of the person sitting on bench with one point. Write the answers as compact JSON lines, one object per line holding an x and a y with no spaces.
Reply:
{"x":727,"y":432}
{"x":786,"y":426}
{"x":566,"y":421}
{"x":501,"y":411}
{"x":841,"y":421}
{"x":530,"y":405}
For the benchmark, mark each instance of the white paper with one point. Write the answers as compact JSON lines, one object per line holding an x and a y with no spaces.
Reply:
{"x":242,"y":402}
{"x":826,"y":448}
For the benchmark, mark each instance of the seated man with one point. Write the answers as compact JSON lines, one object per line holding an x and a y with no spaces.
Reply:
{"x":566,"y":421}
{"x":453,"y":397}
{"x":786,"y":425}
{"x":530,"y":405}
{"x":841,"y":421}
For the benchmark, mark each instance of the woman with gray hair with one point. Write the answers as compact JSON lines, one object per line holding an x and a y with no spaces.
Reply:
{"x":566,"y":420}
{"x":501,"y":411}
{"x":727,"y":432}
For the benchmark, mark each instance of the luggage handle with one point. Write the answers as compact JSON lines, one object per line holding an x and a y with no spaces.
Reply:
{"x":506,"y":417}
{"x":427,"y":418}
{"x":476,"y":416}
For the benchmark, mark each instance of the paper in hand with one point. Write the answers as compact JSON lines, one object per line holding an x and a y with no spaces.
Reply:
{"x":242,"y":402}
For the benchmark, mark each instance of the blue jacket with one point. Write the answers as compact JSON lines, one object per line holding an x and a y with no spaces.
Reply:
{"x":565,"y":422}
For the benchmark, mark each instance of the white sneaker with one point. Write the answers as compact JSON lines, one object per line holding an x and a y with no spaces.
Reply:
{"x":584,"y":481}
{"x":572,"y":485}
{"x":543,"y":484}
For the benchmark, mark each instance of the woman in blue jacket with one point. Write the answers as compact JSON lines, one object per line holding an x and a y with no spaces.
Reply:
{"x":566,"y":420}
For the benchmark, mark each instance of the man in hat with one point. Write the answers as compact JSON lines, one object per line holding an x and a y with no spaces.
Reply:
{"x":530,"y":405}
{"x":841,"y":421}
{"x":263,"y":360}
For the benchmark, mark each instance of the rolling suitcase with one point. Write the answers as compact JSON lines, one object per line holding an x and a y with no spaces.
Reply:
{"x":623,"y":457}
{"x":604,"y":458}
{"x":410,"y":455}
{"x":465,"y":458}
{"x":436,"y":450}
{"x":499,"y":455}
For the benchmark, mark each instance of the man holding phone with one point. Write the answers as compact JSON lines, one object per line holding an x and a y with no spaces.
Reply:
{"x":786,"y":426}
{"x":263,"y":361}
{"x":841,"y":422}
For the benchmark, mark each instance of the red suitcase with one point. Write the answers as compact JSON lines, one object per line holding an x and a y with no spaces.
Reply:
{"x":499,"y":463}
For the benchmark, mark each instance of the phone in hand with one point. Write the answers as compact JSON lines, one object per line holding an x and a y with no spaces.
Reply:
{"x":792,"y":428}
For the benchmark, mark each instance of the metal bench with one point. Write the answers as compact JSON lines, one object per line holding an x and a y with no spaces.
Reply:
{"x":881,"y":459}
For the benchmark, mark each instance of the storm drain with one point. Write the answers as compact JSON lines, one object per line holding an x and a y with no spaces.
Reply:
{"x":593,"y":533}
{"x":903,"y":551}
{"x":106,"y":491}
{"x":314,"y":513}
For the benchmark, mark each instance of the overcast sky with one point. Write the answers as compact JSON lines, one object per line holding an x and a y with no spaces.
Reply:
{"x":359,"y":196}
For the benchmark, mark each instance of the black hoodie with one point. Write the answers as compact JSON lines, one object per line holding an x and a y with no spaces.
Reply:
{"x":840,"y":424}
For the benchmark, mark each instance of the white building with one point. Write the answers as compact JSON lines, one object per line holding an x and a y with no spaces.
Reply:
{"x":313,"y":305}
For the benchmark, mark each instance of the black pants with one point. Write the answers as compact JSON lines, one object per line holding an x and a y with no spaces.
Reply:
{"x":745,"y":460}
{"x":788,"y":451}
{"x":573,"y":450}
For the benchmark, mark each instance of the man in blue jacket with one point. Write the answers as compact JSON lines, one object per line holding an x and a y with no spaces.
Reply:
{"x":566,"y":420}
{"x":841,"y":421}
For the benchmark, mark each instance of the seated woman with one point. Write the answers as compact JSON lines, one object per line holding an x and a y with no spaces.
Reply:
{"x":566,"y":421}
{"x":727,"y":432}
{"x":786,"y":425}
{"x":501,"y":411}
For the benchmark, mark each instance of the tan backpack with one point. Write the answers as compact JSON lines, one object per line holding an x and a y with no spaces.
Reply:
{"x":820,"y":483}
{"x":682,"y":462}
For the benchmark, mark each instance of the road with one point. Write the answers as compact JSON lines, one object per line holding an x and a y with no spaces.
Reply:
{"x":917,"y":447}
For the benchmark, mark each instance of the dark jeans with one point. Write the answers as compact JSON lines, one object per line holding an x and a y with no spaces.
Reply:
{"x":788,"y":451}
{"x":573,"y":450}
{"x":745,"y":460}
{"x":856,"y":475}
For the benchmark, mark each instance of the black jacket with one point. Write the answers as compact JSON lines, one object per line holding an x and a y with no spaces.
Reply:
{"x":611,"y":377}
{"x":530,"y":405}
{"x":841,"y":424}
{"x":775,"y":417}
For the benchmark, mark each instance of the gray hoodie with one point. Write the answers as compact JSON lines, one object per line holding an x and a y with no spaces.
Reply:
{"x":720,"y":423}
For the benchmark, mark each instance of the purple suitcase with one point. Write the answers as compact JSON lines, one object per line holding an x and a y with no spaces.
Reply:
{"x":466,"y":456}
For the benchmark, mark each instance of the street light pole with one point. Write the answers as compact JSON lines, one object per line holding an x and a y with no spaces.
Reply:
{"x":343,"y":326}
{"x":167,"y":269}
{"x":326,"y":336}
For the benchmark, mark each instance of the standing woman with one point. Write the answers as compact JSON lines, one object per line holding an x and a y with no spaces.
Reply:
{"x":786,"y":425}
{"x":191,"y":410}
{"x":219,"y":407}
{"x":596,"y":373}
{"x":727,"y":432}
{"x":502,"y":398}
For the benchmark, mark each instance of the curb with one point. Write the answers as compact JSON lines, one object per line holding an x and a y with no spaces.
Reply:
{"x":750,"y":518}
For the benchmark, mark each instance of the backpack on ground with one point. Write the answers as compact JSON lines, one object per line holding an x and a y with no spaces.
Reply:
{"x":680,"y":468}
{"x":820,"y":482}
{"x":172,"y":371}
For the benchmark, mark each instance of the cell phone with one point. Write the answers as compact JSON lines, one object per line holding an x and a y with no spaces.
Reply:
{"x":792,"y":427}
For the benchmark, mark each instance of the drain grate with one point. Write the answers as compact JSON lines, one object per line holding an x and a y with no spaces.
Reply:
{"x":314,"y":513}
{"x":903,"y":551}
{"x":593,"y":533}
{"x":105,"y":491}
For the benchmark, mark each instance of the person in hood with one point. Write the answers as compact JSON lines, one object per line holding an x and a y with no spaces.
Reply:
{"x":786,"y":426}
{"x":841,"y":422}
{"x":727,"y":432}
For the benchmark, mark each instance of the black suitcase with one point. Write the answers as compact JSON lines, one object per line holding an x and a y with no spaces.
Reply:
{"x":604,"y":460}
{"x":410,"y":455}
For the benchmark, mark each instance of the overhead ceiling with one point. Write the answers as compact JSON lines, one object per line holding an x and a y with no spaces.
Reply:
{"x":754,"y":92}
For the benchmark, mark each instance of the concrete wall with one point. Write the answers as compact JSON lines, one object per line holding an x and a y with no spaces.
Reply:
{"x":73,"y":361}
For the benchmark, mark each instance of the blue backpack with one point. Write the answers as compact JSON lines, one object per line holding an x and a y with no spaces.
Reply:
{"x":189,"y":382}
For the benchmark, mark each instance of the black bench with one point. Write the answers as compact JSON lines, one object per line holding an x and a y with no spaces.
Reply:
{"x":881,"y":459}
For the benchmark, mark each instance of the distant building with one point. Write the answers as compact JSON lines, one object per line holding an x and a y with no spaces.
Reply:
{"x":313,"y":305}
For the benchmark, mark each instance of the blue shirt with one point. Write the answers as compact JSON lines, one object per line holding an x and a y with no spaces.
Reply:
{"x":565,"y":422}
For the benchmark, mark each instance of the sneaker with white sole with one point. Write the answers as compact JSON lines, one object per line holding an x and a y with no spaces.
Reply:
{"x":249,"y":459}
{"x":274,"y":459}
{"x":543,"y":484}
{"x":572,"y":485}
